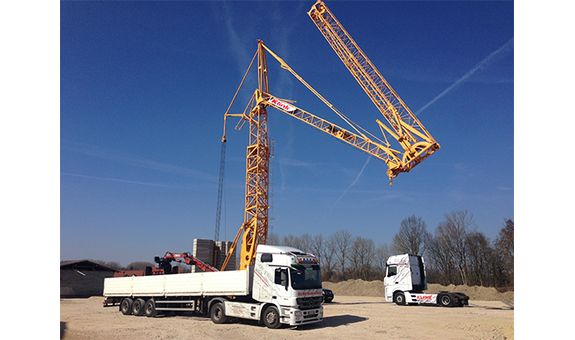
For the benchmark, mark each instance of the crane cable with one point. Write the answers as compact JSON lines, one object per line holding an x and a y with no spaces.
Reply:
{"x":223,"y":156}
{"x":352,"y":124}
{"x":234,"y":99}
{"x":220,"y":190}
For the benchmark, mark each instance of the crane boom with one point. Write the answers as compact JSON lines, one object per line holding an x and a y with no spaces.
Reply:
{"x":361,"y":142}
{"x":415,"y":140}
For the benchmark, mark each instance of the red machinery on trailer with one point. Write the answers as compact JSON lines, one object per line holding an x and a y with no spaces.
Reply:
{"x":165,"y":265}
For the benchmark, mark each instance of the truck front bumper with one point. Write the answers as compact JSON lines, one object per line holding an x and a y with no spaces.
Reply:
{"x":298,"y":317}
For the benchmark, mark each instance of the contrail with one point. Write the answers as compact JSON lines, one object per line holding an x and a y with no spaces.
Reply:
{"x":468,"y":74}
{"x":352,"y":184}
{"x":132,"y":160}
{"x":120,"y":180}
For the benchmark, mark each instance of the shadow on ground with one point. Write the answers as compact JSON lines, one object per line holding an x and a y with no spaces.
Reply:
{"x":62,"y":329}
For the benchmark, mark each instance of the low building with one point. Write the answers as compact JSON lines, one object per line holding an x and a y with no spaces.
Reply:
{"x":83,"y":278}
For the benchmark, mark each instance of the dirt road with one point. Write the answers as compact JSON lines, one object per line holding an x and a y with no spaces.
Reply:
{"x":348,"y":317}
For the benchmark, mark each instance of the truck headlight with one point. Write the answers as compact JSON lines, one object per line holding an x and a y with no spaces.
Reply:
{"x":298,"y":315}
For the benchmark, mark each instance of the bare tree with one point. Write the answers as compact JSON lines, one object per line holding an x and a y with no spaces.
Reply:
{"x":291,"y":241}
{"x":361,"y":257}
{"x":139,"y":265}
{"x":318,"y":247}
{"x":504,"y":244}
{"x":328,"y":259}
{"x":273,"y":239}
{"x":380,"y":259}
{"x":480,"y":257}
{"x":459,"y":254}
{"x":114,"y":265}
{"x":448,"y":246}
{"x":305,"y":242}
{"x":342,"y":241}
{"x":110,"y":264}
{"x":411,"y":237}
{"x":440,"y":259}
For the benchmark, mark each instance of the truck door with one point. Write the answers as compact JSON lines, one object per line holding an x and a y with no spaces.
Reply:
{"x":397,"y":277}
{"x":389,"y":281}
{"x":418,"y":280}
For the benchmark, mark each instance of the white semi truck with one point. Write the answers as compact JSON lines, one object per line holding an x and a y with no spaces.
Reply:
{"x":405,"y":281}
{"x":283,"y":287}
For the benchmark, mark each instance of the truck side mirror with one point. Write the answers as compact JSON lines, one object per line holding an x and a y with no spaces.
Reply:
{"x":281,"y":277}
{"x":284,"y":279}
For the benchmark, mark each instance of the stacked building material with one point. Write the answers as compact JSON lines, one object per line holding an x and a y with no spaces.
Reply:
{"x":206,"y":250}
{"x":203,"y":251}
{"x":223,"y":248}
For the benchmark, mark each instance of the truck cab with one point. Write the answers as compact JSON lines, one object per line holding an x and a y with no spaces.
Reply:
{"x":289,"y":279}
{"x":405,"y":282}
{"x":404,"y":273}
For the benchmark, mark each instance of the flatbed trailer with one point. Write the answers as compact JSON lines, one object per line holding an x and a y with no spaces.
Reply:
{"x":283,"y":287}
{"x":169,"y":289}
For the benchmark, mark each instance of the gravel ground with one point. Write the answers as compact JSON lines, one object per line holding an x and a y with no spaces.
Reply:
{"x":348,"y":317}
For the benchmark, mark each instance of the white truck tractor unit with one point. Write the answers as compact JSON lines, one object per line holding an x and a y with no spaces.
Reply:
{"x":405,"y":282}
{"x":283,"y":287}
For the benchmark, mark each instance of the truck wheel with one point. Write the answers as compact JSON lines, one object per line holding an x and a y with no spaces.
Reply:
{"x":399,"y":298}
{"x":445,"y":300}
{"x":217,"y":313}
{"x":150,"y":308}
{"x":138,"y":307}
{"x":271,"y":317}
{"x":126,"y":306}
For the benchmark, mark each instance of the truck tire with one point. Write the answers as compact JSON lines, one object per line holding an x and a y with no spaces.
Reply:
{"x":150,"y":308}
{"x":399,"y":298}
{"x":445,"y":300}
{"x":271,"y":317}
{"x":138,"y":307}
{"x":126,"y":306}
{"x":217,"y":313}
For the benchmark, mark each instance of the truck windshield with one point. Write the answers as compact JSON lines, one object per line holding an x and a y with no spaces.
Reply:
{"x":305,"y":277}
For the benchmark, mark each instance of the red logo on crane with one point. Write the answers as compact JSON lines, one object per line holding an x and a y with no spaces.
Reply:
{"x":281,"y":105}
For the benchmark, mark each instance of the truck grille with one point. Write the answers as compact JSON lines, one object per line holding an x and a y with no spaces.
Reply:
{"x":309,"y":302}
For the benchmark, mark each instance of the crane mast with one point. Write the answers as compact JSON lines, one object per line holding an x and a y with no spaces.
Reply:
{"x":415,"y":140}
{"x":254,"y":230}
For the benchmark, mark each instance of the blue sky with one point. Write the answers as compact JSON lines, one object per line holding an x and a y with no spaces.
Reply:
{"x":144,"y":86}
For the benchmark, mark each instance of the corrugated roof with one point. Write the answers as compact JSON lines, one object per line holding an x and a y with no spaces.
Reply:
{"x":84,"y":264}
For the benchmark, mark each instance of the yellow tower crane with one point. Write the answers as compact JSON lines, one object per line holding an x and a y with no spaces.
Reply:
{"x":416,"y":142}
